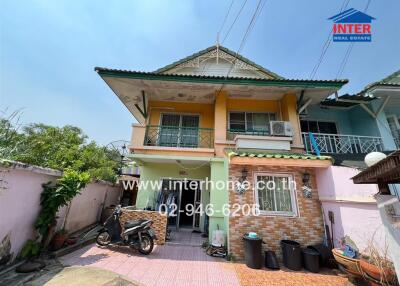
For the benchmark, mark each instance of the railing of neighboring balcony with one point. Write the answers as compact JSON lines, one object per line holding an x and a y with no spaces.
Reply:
{"x":342,"y":144}
{"x":184,"y":137}
{"x":396,"y":137}
{"x":231,"y":133}
{"x":397,"y":142}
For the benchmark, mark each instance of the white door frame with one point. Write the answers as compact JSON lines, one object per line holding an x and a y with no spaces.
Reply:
{"x":180,"y":197}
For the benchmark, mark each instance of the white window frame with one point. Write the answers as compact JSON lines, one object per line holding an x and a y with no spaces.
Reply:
{"x":245,"y":117}
{"x":293,"y":195}
{"x":180,"y":114}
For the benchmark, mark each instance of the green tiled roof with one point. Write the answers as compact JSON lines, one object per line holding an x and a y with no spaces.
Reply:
{"x":221,"y":79}
{"x":391,"y":80}
{"x":355,"y":97}
{"x":226,"y":50}
{"x":277,"y":155}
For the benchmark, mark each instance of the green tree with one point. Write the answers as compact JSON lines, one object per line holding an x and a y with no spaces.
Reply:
{"x":57,"y":148}
{"x":50,"y":146}
{"x":63,"y":148}
{"x":10,"y":139}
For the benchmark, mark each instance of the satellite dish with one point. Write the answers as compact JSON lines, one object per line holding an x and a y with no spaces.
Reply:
{"x":373,"y":158}
{"x":120,"y":148}
{"x":119,"y":151}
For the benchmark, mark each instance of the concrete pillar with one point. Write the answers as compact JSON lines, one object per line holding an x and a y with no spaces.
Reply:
{"x":383,"y":127}
{"x":289,"y":113}
{"x":219,"y":195}
{"x":220,"y":119}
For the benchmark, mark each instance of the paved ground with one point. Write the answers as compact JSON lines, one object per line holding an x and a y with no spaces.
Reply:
{"x":166,"y":265}
{"x":252,"y":277}
{"x":81,"y":276}
{"x":183,"y":262}
{"x":186,"y":237}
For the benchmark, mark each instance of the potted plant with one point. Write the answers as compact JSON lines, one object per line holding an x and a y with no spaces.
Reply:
{"x":59,"y":239}
{"x":376,"y":266}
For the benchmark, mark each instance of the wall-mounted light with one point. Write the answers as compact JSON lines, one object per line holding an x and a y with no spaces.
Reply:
{"x":240,"y":188}
{"x":306,"y":178}
{"x":307,"y":192}
{"x":244,"y":174}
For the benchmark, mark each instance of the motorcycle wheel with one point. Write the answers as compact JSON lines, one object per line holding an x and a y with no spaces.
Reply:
{"x":103,"y":238}
{"x":147,"y":244}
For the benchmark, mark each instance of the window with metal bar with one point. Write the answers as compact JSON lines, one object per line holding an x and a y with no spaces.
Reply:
{"x":250,"y":122}
{"x":178,"y":130}
{"x":275,"y":194}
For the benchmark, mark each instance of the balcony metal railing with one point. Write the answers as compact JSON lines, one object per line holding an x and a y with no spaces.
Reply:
{"x":184,"y":137}
{"x":397,"y":142}
{"x":231,"y":133}
{"x":342,"y":144}
{"x":396,"y":137}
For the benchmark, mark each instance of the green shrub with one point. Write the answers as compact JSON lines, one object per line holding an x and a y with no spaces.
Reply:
{"x":30,"y":249}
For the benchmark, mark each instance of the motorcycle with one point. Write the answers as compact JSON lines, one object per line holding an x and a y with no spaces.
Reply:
{"x":138,"y":234}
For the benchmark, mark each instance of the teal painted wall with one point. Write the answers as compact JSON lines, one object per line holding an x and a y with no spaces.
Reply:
{"x":355,"y":121}
{"x":383,"y":126}
{"x":340,"y":117}
{"x":389,"y":110}
{"x":363,"y":123}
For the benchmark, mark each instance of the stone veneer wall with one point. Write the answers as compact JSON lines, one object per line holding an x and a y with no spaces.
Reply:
{"x":159,"y":221}
{"x":307,"y":228}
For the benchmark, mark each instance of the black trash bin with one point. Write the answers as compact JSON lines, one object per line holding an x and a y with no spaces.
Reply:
{"x":291,"y":253}
{"x":311,"y":260}
{"x":325,"y":254}
{"x":271,"y":261}
{"x":252,"y":252}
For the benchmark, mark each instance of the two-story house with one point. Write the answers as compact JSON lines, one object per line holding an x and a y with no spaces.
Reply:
{"x":216,"y":118}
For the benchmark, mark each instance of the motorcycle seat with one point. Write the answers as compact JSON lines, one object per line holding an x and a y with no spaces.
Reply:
{"x":134,"y":223}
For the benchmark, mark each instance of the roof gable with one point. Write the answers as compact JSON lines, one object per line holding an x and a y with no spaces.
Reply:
{"x":351,"y":16}
{"x":218,"y":61}
{"x":394,"y":78}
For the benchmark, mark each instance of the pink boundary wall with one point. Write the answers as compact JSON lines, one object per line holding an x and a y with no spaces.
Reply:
{"x":355,"y":210}
{"x":20,"y":203}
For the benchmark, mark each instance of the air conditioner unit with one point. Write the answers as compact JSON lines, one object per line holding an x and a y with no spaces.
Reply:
{"x":281,"y":128}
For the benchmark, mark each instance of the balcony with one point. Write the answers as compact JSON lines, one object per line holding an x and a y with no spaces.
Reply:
{"x":342,"y":144}
{"x":179,"y":137}
{"x":259,"y":140}
{"x":231,"y":133}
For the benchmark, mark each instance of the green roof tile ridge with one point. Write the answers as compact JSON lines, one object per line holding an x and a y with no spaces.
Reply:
{"x":226,"y":50}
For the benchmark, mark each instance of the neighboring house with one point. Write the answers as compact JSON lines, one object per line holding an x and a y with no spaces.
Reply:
{"x":217,"y":116}
{"x":356,"y":124}
{"x":348,"y":127}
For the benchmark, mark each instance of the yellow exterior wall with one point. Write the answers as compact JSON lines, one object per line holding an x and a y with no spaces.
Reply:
{"x":216,"y":115}
{"x":289,"y":113}
{"x":220,"y":112}
{"x":253,"y":105}
{"x":206,"y":111}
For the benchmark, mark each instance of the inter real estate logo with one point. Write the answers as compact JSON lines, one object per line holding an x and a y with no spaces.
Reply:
{"x":352,"y":26}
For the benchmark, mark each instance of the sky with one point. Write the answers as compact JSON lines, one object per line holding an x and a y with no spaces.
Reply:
{"x":48,"y":50}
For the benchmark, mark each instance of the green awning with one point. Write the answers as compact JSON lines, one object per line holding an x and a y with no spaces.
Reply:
{"x":232,"y":153}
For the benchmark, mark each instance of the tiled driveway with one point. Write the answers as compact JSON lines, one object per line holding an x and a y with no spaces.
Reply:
{"x":183,"y":262}
{"x":166,"y":265}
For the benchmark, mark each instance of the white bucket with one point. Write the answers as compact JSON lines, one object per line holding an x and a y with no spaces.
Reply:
{"x":218,"y":238}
